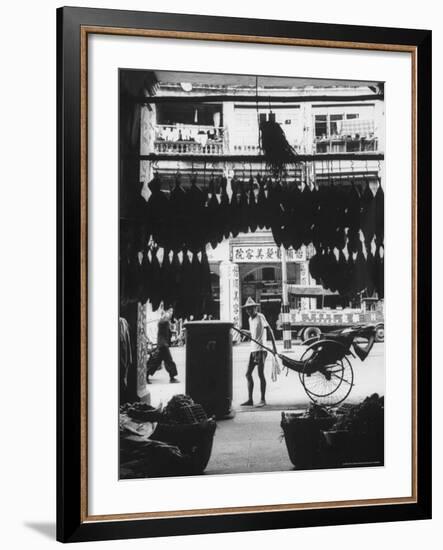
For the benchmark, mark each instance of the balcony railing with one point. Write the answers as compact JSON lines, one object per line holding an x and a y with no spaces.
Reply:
{"x":193,"y":139}
{"x":189,"y":139}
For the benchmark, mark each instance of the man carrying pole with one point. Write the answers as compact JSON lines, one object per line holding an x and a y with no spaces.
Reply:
{"x":257,"y":327}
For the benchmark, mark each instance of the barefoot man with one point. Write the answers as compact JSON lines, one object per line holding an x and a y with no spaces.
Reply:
{"x":257,"y":327}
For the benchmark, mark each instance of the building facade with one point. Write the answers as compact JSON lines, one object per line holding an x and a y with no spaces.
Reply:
{"x":208,"y":126}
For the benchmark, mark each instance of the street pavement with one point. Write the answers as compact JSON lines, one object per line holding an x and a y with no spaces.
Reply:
{"x":287,"y":391}
{"x":253,"y":441}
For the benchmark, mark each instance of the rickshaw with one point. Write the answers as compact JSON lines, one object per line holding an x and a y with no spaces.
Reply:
{"x":324,"y":369}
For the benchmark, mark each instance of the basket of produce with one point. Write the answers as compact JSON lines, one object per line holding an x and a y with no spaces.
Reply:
{"x":303,"y":435}
{"x":185,"y":424}
{"x":357,"y":436}
{"x":181,"y":409}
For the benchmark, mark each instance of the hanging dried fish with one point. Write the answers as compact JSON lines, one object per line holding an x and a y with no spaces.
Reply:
{"x":177,"y":216}
{"x":243,"y":208}
{"x":379,"y":216}
{"x":275,"y":198}
{"x":294,"y":218}
{"x":261,"y":207}
{"x":157,"y":211}
{"x":146,"y":278}
{"x":252,"y":207}
{"x":195,"y":217}
{"x":213,"y":231}
{"x":379,"y":272}
{"x":234,"y":210}
{"x":368,"y":215}
{"x":353,"y":217}
{"x":187,"y":283}
{"x":223,"y":218}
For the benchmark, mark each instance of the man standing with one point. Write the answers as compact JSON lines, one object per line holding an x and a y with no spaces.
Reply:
{"x":257,"y":327}
{"x":163,"y":353}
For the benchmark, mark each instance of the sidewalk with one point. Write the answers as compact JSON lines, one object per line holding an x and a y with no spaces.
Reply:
{"x":250,"y":442}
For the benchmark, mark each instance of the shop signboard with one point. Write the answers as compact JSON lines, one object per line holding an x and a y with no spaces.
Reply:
{"x":334,"y":317}
{"x":267,"y":253}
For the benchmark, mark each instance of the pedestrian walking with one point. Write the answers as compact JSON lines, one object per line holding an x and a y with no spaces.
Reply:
{"x":163,"y":354}
{"x":258,"y":325}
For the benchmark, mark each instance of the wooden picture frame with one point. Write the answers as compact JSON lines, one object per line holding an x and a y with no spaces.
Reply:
{"x":74,"y":25}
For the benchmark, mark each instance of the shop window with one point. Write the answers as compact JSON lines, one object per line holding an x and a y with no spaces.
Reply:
{"x":294,"y":276}
{"x":326,"y":126}
{"x":294,"y":302}
{"x":215,"y":286}
{"x":268,"y":274}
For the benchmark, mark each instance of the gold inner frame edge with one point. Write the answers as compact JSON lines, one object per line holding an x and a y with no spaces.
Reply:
{"x":85,"y":30}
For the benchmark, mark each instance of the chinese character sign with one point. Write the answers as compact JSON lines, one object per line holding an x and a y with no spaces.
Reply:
{"x":230,"y":296}
{"x":235,"y":294}
{"x":261,"y":254}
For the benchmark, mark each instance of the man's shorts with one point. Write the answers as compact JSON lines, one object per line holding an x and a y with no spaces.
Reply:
{"x":258,"y":357}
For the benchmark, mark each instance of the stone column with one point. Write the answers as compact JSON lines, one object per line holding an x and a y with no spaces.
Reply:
{"x":142,"y":390}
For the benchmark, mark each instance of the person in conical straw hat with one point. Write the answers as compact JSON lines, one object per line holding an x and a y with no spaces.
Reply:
{"x":258,"y":325}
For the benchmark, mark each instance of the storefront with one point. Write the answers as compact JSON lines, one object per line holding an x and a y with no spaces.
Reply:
{"x":181,"y":139}
{"x":250,"y":266}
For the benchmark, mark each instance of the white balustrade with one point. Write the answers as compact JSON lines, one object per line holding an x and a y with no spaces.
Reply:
{"x":189,"y":139}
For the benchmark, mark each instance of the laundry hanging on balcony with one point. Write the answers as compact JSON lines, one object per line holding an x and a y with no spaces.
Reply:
{"x":355,"y":127}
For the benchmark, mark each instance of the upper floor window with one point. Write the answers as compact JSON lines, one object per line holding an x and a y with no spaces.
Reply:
{"x":328,"y":125}
{"x":344,"y":132}
{"x":333,"y":124}
{"x":321,"y":126}
{"x":203,"y":114}
{"x":189,"y":128}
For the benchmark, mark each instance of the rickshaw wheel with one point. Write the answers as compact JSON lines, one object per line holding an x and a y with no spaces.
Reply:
{"x":331,"y":383}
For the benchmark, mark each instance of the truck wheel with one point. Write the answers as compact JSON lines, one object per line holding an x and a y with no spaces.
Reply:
{"x":380,"y":333}
{"x":311,"y":332}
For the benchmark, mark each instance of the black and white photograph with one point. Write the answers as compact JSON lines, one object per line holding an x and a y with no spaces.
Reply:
{"x":217,"y":288}
{"x":251,"y":273}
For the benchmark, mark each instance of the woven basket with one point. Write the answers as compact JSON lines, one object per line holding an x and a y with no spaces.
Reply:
{"x":194,"y":440}
{"x":303,"y":436}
